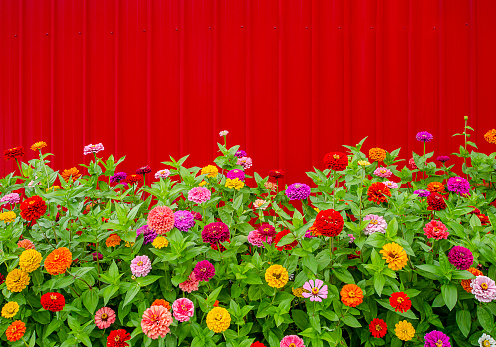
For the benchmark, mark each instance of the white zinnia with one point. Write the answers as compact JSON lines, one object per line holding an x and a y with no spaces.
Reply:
{"x":487,"y":341}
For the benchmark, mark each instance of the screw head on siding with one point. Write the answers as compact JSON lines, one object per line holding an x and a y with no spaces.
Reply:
{"x":79,"y":33}
{"x":241,"y":27}
{"x":275,"y":28}
{"x":111,"y":32}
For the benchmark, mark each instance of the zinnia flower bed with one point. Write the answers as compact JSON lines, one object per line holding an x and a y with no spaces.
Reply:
{"x":384,"y":251}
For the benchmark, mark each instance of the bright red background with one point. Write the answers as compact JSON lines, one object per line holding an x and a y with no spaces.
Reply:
{"x":290,"y":79}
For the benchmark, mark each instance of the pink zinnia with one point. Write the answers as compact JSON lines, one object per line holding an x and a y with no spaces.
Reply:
{"x":412,"y":164}
{"x":382,"y":172}
{"x":191,"y":285}
{"x":26,"y":244}
{"x":376,"y":224}
{"x":245,"y":162}
{"x":315,"y":290}
{"x":93,"y":148}
{"x":183,"y":309}
{"x":292,"y":341}
{"x":12,"y":198}
{"x":257,"y":239}
{"x":436,"y":230}
{"x":483,"y":288}
{"x":162,"y":174}
{"x":391,"y":184}
{"x":199,"y":195}
{"x":104,"y":317}
{"x":161,"y":219}
{"x":141,"y":266}
{"x":156,"y":321}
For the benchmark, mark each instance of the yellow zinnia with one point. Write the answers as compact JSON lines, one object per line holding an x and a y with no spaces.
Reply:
{"x":160,"y":242}
{"x":17,"y":280}
{"x":276,"y":276}
{"x":218,"y":319}
{"x":8,"y":217}
{"x":234,"y":183}
{"x":202,"y":183}
{"x":404,"y":330}
{"x":30,"y":260}
{"x":299,"y":291}
{"x":10,"y":309}
{"x":38,"y":145}
{"x":394,"y":255}
{"x":363,"y":163}
{"x":210,"y":171}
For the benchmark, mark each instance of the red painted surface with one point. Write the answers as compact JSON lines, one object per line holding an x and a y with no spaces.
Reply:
{"x":290,"y":79}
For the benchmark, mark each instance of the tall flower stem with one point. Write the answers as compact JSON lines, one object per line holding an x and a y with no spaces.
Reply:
{"x":44,"y":166}
{"x":19,"y":166}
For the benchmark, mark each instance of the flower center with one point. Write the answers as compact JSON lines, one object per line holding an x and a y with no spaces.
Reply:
{"x":486,"y":343}
{"x":140,"y":263}
{"x":104,"y":316}
{"x":277,"y":275}
{"x":53,"y":297}
{"x":351,"y":294}
{"x":400,"y":300}
{"x":154,"y":318}
{"x":336,"y":156}
{"x":14,"y":329}
{"x":439,"y":343}
{"x":378,"y":327}
{"x":183,"y":307}
{"x":117,"y":338}
{"x":315,"y":291}
{"x":484,"y":286}
{"x":56,"y":257}
{"x":373,"y":221}
{"x":292,"y":345}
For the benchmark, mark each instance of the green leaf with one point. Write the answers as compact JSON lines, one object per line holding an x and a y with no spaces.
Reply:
{"x":464,"y":321}
{"x":90,"y":299}
{"x":300,"y":318}
{"x":310,"y":262}
{"x":450,"y":295}
{"x":351,"y":321}
{"x":344,"y":276}
{"x":131,"y":294}
{"x":485,"y":317}
{"x":54,"y":325}
{"x":145,"y":281}
{"x":379,"y":281}
{"x":213,"y":296}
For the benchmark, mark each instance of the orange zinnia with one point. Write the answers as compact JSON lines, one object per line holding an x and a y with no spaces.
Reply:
{"x":377,"y":154}
{"x":66,"y":174}
{"x":113,"y":240}
{"x":58,"y":261}
{"x":162,"y":302}
{"x":466,"y":283}
{"x":435,"y":187}
{"x":15,"y":331}
{"x":490,"y":136}
{"x":352,"y":295}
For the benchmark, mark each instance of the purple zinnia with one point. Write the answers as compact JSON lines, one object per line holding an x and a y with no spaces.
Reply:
{"x":298,"y":191}
{"x":149,"y":234}
{"x":144,"y":170}
{"x":458,"y":185}
{"x":183,"y":220}
{"x":309,"y":233}
{"x":215,"y":233}
{"x":240,"y":154}
{"x":196,"y":215}
{"x":204,"y":270}
{"x":422,"y":193}
{"x":236,"y":173}
{"x":120,"y":176}
{"x":424,"y":136}
{"x":436,"y":339}
{"x":443,"y":158}
{"x":97,"y":254}
{"x":461,"y":257}
{"x":12,"y":198}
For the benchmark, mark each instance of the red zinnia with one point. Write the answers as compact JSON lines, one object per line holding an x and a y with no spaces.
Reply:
{"x":278,"y":238}
{"x":336,"y":161}
{"x":13,"y":153}
{"x":484,"y":219}
{"x":118,"y":338}
{"x":132,"y":179}
{"x":2,"y":279}
{"x":33,"y":208}
{"x":378,"y":192}
{"x":53,"y":302}
{"x":275,"y":175}
{"x":400,"y":302}
{"x":328,"y":223}
{"x":378,"y":328}
{"x":257,"y":344}
{"x":436,"y":202}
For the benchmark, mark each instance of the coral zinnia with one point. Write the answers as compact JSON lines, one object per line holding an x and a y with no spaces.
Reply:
{"x":436,"y":202}
{"x":276,"y":276}
{"x":53,"y":302}
{"x":15,"y":331}
{"x":38,"y":145}
{"x":378,"y":192}
{"x":118,"y":338}
{"x":404,"y":330}
{"x":33,"y":208}
{"x":378,"y":328}
{"x":400,"y":302}
{"x":336,"y":161}
{"x":13,"y":153}
{"x":218,"y":319}
{"x":278,"y":238}
{"x":490,"y":136}
{"x":466,"y":283}
{"x":66,"y":174}
{"x":191,"y":285}
{"x":113,"y":240}
{"x":183,"y":309}
{"x":58,"y":261}
{"x":328,"y":223}
{"x":10,"y":309}
{"x":30,"y":260}
{"x":377,"y":154}
{"x":155,"y":322}
{"x":436,"y":230}
{"x":17,"y":280}
{"x":394,"y":255}
{"x":351,"y":295}
{"x":161,"y":219}
{"x":104,"y":317}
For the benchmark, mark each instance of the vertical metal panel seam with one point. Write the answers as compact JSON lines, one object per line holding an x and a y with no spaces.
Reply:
{"x":148,"y":80}
{"x":116,"y":80}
